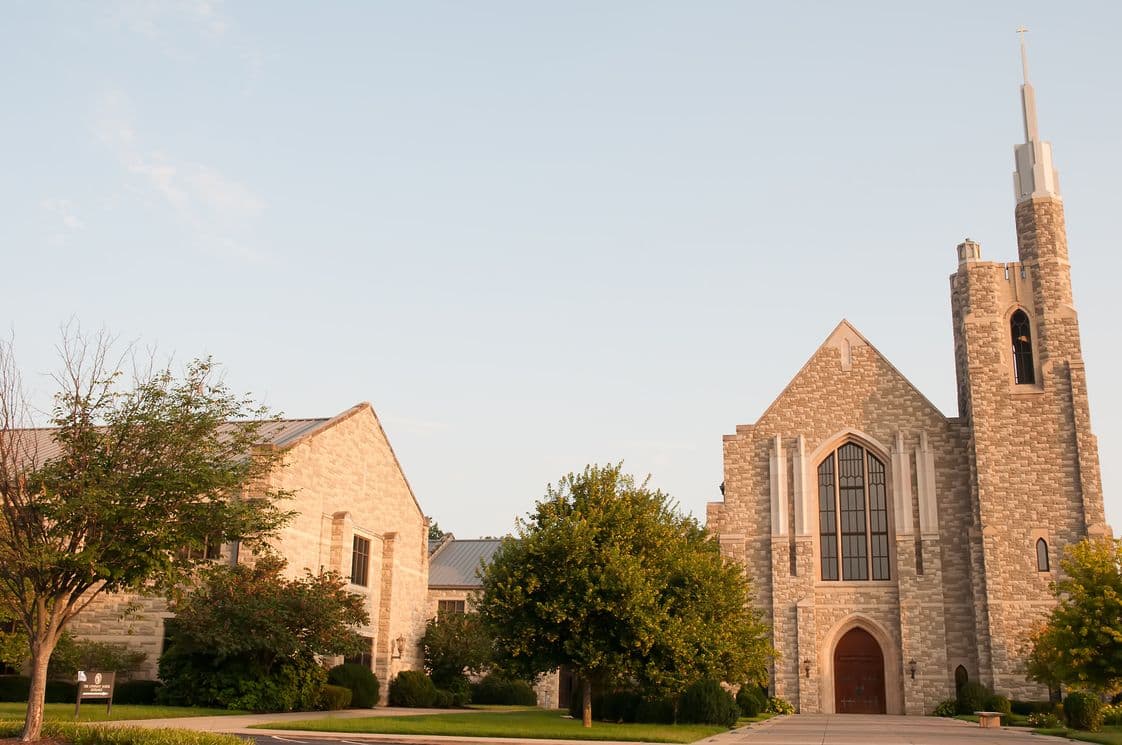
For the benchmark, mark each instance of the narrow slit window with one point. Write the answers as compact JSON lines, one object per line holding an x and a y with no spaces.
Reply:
{"x":1042,"y":564}
{"x":827,"y":519}
{"x":1023,"y":371}
{"x":360,"y":561}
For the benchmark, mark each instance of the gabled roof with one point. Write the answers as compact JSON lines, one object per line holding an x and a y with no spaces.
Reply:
{"x":456,"y":563}
{"x":846,"y":337}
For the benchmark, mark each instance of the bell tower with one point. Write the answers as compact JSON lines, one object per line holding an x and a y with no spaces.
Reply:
{"x":1034,"y":465}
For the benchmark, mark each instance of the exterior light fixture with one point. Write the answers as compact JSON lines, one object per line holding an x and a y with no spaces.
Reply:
{"x":399,"y":647}
{"x":912,"y":668}
{"x":806,"y":666}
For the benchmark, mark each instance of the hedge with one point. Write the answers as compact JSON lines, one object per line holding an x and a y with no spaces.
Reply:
{"x":360,"y":680}
{"x":85,"y":734}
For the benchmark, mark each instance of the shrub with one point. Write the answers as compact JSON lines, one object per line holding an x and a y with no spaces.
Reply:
{"x":333,"y":697}
{"x":193,"y":680}
{"x":14,"y":688}
{"x":443,"y":699}
{"x":946,"y":708}
{"x":999,"y":703}
{"x":83,"y":734}
{"x":1083,"y":711}
{"x":617,"y":706}
{"x":72,"y":655}
{"x":412,"y":688}
{"x":60,"y":692}
{"x":706,"y":702}
{"x":778,"y":705}
{"x":499,"y":689}
{"x":361,"y":682}
{"x":460,"y":688}
{"x":1044,"y":720}
{"x":972,"y":697}
{"x":136,"y":692}
{"x":1112,"y":714}
{"x":751,"y":700}
{"x":1024,"y":708}
{"x":656,"y":711}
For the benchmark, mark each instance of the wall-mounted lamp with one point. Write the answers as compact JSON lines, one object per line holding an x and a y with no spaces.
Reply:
{"x":806,"y":666}
{"x":912,"y":668}
{"x":398,"y":647}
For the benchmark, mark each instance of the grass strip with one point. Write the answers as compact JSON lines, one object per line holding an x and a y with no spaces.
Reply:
{"x":96,"y":712}
{"x":1111,"y":735}
{"x":84,"y":734}
{"x":535,"y":723}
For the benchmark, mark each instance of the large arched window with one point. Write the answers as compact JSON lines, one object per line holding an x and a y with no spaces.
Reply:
{"x":1023,"y":372}
{"x":853,"y":515}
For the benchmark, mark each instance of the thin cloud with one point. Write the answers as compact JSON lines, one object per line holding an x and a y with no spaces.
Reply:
{"x":216,"y":208}
{"x":163,"y":19}
{"x":64,"y":219}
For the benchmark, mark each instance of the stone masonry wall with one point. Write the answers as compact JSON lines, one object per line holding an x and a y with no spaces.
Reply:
{"x":1033,"y":454}
{"x":346,"y":481}
{"x":849,"y":391}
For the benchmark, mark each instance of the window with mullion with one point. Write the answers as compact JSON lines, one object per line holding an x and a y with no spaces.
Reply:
{"x":853,"y":515}
{"x":827,"y":519}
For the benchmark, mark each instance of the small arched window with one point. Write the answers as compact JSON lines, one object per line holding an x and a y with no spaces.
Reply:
{"x":1042,"y":555}
{"x":1023,"y":372}
{"x":853,"y":515}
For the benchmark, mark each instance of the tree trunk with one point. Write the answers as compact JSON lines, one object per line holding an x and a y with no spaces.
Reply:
{"x":33,"y":722}
{"x":586,"y":709}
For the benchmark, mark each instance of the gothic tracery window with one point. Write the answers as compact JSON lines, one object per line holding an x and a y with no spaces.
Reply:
{"x":853,"y":515}
{"x":1023,"y":372}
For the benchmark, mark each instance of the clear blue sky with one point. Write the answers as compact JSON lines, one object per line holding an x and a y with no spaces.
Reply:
{"x":540,"y":235}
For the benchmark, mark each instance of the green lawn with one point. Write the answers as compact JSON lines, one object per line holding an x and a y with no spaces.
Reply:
{"x":536,"y":723}
{"x":96,"y":712}
{"x":1111,"y":735}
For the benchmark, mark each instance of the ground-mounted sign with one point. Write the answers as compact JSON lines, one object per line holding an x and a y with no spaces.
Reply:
{"x":95,"y":685}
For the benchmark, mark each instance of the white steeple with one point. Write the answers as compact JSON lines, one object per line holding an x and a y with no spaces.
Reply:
{"x":1035,"y":175}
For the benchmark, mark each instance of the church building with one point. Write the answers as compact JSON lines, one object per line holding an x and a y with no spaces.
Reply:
{"x":898,"y":552}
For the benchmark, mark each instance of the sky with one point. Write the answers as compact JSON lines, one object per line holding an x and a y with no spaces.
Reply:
{"x":540,"y":235}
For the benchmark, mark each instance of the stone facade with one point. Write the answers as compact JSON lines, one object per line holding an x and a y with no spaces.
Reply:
{"x":346,"y":482}
{"x":966,"y":498}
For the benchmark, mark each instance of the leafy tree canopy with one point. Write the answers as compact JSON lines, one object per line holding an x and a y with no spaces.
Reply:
{"x":256,"y":613}
{"x":248,"y":637}
{"x":139,"y":473}
{"x":1081,"y":642}
{"x":455,"y":644}
{"x":607,"y":577}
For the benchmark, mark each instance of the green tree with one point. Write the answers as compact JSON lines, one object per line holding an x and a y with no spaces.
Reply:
{"x":435,"y":533}
{"x":605,"y":576}
{"x":1081,"y":641}
{"x":137,"y":475}
{"x":248,"y":637}
{"x":13,"y":640}
{"x":455,"y":644}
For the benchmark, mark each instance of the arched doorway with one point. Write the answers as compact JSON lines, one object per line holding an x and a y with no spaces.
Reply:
{"x":858,"y":674}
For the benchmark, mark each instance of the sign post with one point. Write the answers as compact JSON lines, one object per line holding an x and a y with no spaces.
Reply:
{"x":95,"y":685}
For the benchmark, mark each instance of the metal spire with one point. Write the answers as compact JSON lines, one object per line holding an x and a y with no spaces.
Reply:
{"x":1035,"y":175}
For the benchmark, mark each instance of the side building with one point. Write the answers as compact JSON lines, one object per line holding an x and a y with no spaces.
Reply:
{"x":355,"y":514}
{"x":899,"y":552}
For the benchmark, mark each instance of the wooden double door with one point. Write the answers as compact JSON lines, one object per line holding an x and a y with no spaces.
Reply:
{"x":858,"y":674}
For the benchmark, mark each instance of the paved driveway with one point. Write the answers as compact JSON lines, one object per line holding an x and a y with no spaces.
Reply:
{"x":858,"y":729}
